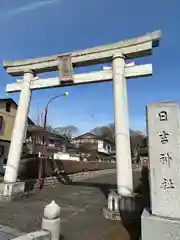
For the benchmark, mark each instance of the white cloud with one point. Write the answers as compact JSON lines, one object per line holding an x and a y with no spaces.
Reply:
{"x":29,"y":7}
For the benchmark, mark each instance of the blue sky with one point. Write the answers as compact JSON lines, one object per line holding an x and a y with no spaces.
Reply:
{"x":34,"y":28}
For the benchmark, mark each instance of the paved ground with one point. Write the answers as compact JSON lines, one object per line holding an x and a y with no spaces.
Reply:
{"x":81,"y":210}
{"x":7,"y":233}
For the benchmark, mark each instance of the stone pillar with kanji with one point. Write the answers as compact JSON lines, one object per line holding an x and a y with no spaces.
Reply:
{"x":162,"y":221}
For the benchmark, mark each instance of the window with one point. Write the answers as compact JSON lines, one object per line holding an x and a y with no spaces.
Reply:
{"x":1,"y":122}
{"x":5,"y":161}
{"x":8,"y":107}
{"x":1,"y":150}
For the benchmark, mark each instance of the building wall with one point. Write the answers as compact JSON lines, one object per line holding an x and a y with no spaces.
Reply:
{"x":4,"y":149}
{"x":8,"y":121}
{"x":65,"y":156}
{"x":34,"y":142}
{"x":6,"y":129}
{"x":104,"y":146}
{"x":101,"y":145}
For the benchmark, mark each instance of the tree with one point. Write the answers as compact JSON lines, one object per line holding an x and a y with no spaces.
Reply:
{"x":136,"y":137}
{"x":68,"y":131}
{"x":136,"y":140}
{"x":105,"y":131}
{"x":50,"y":128}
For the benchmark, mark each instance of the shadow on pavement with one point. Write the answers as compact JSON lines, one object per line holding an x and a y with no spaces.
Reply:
{"x":104,"y":187}
{"x":143,"y":201}
{"x":62,"y":237}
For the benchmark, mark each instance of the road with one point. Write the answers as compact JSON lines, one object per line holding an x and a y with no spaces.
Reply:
{"x":81,"y":208}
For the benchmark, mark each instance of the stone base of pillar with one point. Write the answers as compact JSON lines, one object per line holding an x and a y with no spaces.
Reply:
{"x":12,"y":191}
{"x":111,"y":215}
{"x":159,"y":228}
{"x":124,"y":208}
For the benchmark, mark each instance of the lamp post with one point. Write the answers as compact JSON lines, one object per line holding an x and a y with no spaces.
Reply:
{"x":93,"y":120}
{"x":47,"y":105}
{"x":41,"y":183}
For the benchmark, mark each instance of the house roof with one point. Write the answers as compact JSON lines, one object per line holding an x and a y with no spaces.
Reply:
{"x":10,"y":100}
{"x":40,"y":129}
{"x":93,"y":135}
{"x":35,"y":128}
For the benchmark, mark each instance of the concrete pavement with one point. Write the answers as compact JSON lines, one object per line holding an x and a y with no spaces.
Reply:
{"x":81,"y":209}
{"x":7,"y":233}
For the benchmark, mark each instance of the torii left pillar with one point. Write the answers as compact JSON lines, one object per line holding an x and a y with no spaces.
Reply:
{"x":12,"y":187}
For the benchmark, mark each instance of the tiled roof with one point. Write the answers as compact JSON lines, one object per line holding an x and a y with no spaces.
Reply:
{"x":93,"y":136}
{"x":37,"y":128}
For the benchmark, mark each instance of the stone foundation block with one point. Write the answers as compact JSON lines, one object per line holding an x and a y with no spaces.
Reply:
{"x":159,"y":228}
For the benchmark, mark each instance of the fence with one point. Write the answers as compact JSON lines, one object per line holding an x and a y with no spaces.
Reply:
{"x":29,"y":167}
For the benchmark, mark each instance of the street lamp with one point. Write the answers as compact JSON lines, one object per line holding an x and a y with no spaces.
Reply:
{"x":41,"y":183}
{"x":47,"y":105}
{"x":93,"y":120}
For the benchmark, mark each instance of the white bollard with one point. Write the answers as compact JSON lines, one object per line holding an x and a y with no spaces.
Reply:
{"x":110,"y":202}
{"x":116,"y":203}
{"x":51,"y":220}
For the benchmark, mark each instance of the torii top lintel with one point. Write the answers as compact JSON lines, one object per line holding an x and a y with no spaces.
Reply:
{"x":131,"y":48}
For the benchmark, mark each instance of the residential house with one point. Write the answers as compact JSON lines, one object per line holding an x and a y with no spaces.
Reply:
{"x":45,"y":142}
{"x":50,"y":144}
{"x":33,"y":140}
{"x":95,"y":147}
{"x":8,"y":108}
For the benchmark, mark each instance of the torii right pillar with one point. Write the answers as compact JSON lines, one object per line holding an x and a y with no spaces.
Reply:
{"x":121,"y":204}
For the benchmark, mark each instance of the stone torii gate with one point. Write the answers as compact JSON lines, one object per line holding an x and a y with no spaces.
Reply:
{"x":117,"y":53}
